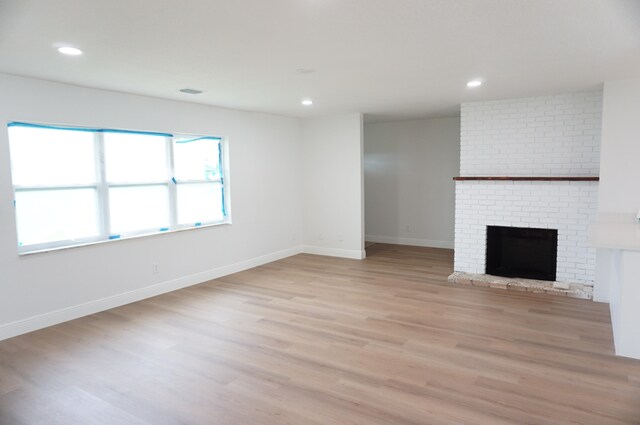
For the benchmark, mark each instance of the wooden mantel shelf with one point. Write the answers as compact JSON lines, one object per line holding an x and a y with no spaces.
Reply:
{"x":532,"y":179}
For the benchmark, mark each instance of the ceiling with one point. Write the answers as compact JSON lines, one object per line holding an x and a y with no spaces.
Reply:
{"x":390,"y":59}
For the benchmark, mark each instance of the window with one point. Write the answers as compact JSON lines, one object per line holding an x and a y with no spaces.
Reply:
{"x":77,"y":185}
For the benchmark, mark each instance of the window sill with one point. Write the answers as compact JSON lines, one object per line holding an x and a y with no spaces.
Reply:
{"x":132,"y":237}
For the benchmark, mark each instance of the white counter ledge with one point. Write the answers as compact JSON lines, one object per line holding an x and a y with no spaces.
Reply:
{"x":612,"y":234}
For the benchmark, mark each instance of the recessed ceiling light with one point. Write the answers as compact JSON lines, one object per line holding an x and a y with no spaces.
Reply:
{"x":68,"y":50}
{"x":474,"y":83}
{"x":307,"y":102}
{"x":191,"y":91}
{"x":305,"y":70}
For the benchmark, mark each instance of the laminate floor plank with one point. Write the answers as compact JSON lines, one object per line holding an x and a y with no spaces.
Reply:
{"x":326,"y":341}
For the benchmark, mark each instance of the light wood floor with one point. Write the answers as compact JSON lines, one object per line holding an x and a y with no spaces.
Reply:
{"x":315,"y":340}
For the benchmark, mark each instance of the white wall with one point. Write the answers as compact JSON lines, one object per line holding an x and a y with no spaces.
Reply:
{"x":617,"y":200}
{"x":333,"y":185}
{"x":409,"y":190}
{"x":618,"y":274}
{"x":266,"y":193}
{"x":619,"y":168}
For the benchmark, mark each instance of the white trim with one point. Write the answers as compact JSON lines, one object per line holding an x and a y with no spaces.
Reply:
{"x":102,"y":190}
{"x":430,"y":243}
{"x":171,"y":186}
{"x":335,"y":252}
{"x":31,"y":324}
{"x":61,"y":245}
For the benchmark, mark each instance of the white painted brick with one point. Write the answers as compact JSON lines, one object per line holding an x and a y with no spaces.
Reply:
{"x":552,"y":135}
{"x":522,"y":204}
{"x":535,"y":136}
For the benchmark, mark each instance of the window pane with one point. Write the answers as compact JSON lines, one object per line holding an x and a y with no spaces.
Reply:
{"x":56,"y":215}
{"x":42,"y":156}
{"x":196,"y":159}
{"x":199,"y":203}
{"x":138,"y":208}
{"x":135,"y":158}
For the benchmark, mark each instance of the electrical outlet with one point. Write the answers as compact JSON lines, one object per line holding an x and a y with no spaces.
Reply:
{"x":340,"y":238}
{"x":407,"y":228}
{"x":320,"y":237}
{"x":155,"y":268}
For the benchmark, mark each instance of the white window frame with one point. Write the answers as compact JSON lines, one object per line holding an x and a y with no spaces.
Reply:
{"x":173,"y":188}
{"x":102,"y":187}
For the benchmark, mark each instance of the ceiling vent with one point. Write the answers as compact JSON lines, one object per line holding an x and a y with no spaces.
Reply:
{"x":191,"y":91}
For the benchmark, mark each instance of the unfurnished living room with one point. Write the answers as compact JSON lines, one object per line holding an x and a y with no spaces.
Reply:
{"x":319,"y":212}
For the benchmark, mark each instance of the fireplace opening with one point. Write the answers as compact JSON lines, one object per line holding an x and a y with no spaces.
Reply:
{"x":522,"y":252}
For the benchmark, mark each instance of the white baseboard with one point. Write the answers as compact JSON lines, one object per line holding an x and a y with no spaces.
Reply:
{"x":430,"y":243}
{"x":10,"y":330}
{"x":335,"y":252}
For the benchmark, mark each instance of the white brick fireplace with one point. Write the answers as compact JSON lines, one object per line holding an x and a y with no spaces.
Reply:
{"x":543,"y":137}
